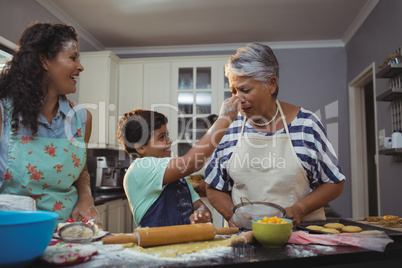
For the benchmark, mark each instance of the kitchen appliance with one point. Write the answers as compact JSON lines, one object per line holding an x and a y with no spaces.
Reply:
{"x":109,"y":173}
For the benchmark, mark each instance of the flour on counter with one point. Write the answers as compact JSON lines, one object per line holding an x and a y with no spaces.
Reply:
{"x":116,"y":255}
{"x":300,"y":251}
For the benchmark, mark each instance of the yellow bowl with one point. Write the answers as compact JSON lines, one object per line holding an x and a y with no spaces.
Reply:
{"x":272,"y":235}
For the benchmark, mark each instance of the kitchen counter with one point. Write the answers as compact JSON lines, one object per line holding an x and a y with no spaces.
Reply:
{"x":106,"y":196}
{"x":291,"y":255}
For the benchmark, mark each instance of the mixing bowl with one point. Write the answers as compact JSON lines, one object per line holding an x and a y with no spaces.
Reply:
{"x":272,"y":235}
{"x":25,"y":235}
{"x":244,"y":213}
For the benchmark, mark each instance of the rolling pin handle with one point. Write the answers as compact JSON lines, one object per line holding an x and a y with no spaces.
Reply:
{"x":120,"y":239}
{"x":226,"y":230}
{"x":244,"y":238}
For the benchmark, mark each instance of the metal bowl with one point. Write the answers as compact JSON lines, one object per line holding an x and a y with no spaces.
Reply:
{"x":77,"y":232}
{"x":245,"y":213}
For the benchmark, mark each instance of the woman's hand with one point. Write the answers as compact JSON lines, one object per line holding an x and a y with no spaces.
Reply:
{"x":318,"y":198}
{"x":295,"y":214}
{"x":200,"y":216}
{"x":232,"y":223}
{"x":85,"y":209}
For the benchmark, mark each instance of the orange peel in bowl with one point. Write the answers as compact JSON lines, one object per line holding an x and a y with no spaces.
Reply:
{"x":274,"y":234}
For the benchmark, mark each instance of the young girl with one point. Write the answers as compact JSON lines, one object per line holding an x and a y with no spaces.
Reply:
{"x":154,"y":184}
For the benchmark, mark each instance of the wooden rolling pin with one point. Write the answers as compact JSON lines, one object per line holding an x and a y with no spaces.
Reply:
{"x":158,"y":236}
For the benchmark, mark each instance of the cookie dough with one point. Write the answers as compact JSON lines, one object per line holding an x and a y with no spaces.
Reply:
{"x":334,"y":225}
{"x":330,"y":230}
{"x":172,"y":251}
{"x":351,"y":229}
{"x":372,"y":219}
{"x":315,"y":227}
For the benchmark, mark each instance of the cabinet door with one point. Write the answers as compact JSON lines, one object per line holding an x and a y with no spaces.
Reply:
{"x":195,"y":90}
{"x":130,"y":87}
{"x":98,"y":92}
{"x":117,"y":216}
{"x":157,"y":87}
{"x":223,"y":84}
{"x":130,"y":225}
{"x":102,"y":209}
{"x":112,"y":108}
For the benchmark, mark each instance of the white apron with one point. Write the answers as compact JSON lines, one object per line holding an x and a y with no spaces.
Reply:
{"x":267,"y":169}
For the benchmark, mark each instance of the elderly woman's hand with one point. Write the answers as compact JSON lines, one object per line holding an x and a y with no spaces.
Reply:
{"x":230,"y":108}
{"x":232,"y":223}
{"x":294,"y":213}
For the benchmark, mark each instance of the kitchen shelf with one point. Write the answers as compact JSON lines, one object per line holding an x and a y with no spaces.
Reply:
{"x":393,"y":151}
{"x":390,"y":70}
{"x":390,"y":95}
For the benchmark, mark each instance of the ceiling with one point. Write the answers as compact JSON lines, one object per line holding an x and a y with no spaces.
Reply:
{"x":140,"y":24}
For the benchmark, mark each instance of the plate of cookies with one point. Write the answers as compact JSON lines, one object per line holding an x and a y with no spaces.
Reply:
{"x":343,"y":226}
{"x":387,"y":221}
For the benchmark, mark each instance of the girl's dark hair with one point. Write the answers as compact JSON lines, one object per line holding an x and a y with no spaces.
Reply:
{"x":23,"y":79}
{"x":137,"y":126}
{"x":209,"y":120}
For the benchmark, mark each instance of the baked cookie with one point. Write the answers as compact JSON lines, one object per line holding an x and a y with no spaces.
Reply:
{"x":389,"y":222}
{"x":330,"y":230}
{"x":390,"y":217}
{"x":334,"y":225}
{"x":315,"y":227}
{"x":372,"y":219}
{"x":351,"y":229}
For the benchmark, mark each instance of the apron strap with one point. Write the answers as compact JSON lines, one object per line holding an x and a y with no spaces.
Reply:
{"x":290,"y":141}
{"x":242,"y":129}
{"x":285,"y":125}
{"x":78,"y":123}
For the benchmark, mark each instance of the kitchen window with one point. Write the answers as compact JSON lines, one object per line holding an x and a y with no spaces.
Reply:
{"x":201,"y":88}
{"x":5,"y":56}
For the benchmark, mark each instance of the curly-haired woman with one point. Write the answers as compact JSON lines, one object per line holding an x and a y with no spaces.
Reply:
{"x":43,"y":134}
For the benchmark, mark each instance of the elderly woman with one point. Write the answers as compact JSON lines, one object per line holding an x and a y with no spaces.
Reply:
{"x":274,"y":151}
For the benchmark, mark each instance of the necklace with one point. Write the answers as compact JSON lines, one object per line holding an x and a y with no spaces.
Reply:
{"x":267,"y":123}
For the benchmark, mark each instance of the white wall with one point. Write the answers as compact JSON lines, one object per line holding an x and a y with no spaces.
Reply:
{"x":379,"y":36}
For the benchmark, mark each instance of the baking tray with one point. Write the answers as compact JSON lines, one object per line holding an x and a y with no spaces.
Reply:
{"x":365,"y":227}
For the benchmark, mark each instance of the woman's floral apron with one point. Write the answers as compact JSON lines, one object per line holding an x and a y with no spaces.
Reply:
{"x":45,"y":169}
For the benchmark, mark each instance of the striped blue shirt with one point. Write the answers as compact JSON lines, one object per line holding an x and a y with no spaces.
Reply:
{"x":309,"y":140}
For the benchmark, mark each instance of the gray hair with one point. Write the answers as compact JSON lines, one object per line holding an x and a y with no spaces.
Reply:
{"x":256,"y":61}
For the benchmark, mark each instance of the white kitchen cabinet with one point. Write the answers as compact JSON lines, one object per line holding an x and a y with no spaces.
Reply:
{"x":99,"y":92}
{"x":197,"y":90}
{"x":114,"y":216}
{"x":131,"y":84}
{"x":102,"y":210}
{"x":130,"y":225}
{"x":157,"y":87}
{"x":117,"y":216}
{"x":110,"y":87}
